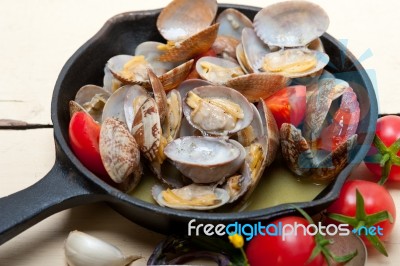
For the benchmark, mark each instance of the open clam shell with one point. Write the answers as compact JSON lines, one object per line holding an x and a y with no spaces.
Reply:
{"x":318,"y":106}
{"x":170,"y":80}
{"x":271,"y":132}
{"x":295,"y":63}
{"x":114,"y":106}
{"x":254,"y":50}
{"x":75,"y":107}
{"x":92,"y":98}
{"x":191,"y":197}
{"x":159,"y":95}
{"x":290,"y":23}
{"x":238,"y":163}
{"x":129,"y":69}
{"x":208,"y":121}
{"x":296,"y":151}
{"x":259,"y":155}
{"x":119,"y":152}
{"x":258,"y":85}
{"x":225,"y":47}
{"x":315,"y":164}
{"x":183,"y":18}
{"x":191,"y":84}
{"x":192,"y":46}
{"x":203,"y":159}
{"x":217,"y":70}
{"x":135,"y":96}
{"x":242,"y":60}
{"x":151,"y":53}
{"x":110,"y":83}
{"x":232,"y":23}
{"x":255,"y":130}
{"x":147,"y":129}
{"x":176,"y":76}
{"x":172,"y":123}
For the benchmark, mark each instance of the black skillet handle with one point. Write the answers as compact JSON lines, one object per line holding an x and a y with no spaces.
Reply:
{"x":60,"y":189}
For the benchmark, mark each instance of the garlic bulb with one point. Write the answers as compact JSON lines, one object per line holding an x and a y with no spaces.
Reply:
{"x":85,"y":250}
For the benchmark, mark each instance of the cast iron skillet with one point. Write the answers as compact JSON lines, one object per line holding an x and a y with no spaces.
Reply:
{"x":69,"y":183}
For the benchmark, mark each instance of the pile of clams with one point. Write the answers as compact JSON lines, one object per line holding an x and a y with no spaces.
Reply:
{"x":195,"y":104}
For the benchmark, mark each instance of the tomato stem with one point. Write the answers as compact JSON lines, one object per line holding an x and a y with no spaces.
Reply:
{"x":386,"y":158}
{"x":362,"y":219}
{"x":321,"y":243}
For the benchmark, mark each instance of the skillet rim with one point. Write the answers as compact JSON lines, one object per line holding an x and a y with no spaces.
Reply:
{"x":116,"y":196}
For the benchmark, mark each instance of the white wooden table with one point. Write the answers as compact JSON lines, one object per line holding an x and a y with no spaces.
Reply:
{"x":37,"y":38}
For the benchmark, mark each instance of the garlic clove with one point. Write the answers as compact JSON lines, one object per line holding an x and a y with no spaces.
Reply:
{"x":82,"y":249}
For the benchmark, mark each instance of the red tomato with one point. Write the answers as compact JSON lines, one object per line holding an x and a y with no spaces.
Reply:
{"x":288,"y":105}
{"x":273,"y":250}
{"x":376,"y":199}
{"x":388,"y":130}
{"x":84,"y":135}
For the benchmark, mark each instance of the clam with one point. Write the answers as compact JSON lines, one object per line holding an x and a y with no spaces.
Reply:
{"x":217,"y":70}
{"x":92,"y":99}
{"x":114,"y":106}
{"x":295,"y":63}
{"x":319,"y":104}
{"x":189,"y":48}
{"x":318,"y":165}
{"x":217,"y":110}
{"x":151,"y":54}
{"x":120,"y":153}
{"x":159,"y":95}
{"x":172,"y":124}
{"x":133,"y":70}
{"x":147,"y":130}
{"x":237,"y":164}
{"x":322,"y":150}
{"x":254,"y":50}
{"x":204,"y":159}
{"x":183,"y":18}
{"x":258,"y":85}
{"x":290,"y":23}
{"x":232,"y":22}
{"x":255,"y":130}
{"x":135,"y":96}
{"x":186,"y":25}
{"x":191,"y":84}
{"x":225,"y":47}
{"x":260,"y":154}
{"x":124,"y":103}
{"x":242,"y":60}
{"x":110,"y":83}
{"x":75,"y":107}
{"x":191,"y":197}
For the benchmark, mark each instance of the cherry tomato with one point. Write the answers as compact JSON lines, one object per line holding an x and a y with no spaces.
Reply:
{"x":273,"y":250}
{"x":84,"y":135}
{"x":376,"y":199}
{"x":288,"y":105}
{"x":388,"y":131}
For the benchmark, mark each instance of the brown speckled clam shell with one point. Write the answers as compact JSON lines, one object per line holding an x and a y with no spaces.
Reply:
{"x":147,"y":129}
{"x":119,"y":151}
